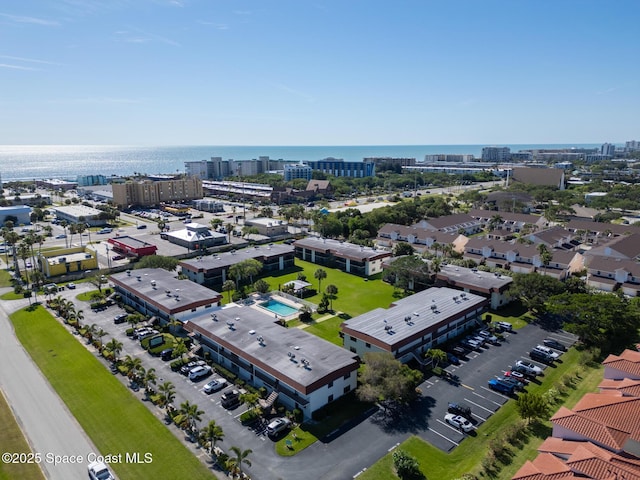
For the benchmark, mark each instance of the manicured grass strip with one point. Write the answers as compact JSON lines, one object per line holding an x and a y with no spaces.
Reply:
{"x":5,"y":278}
{"x":112,"y":417}
{"x":11,"y":296}
{"x":467,"y":458}
{"x":327,"y":329}
{"x":13,"y":441}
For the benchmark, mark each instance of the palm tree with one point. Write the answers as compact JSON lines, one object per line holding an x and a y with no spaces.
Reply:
{"x":545,"y":256}
{"x":241,"y":457}
{"x":494,"y":222}
{"x":100,"y":333}
{"x":332,"y":292}
{"x":179,"y":348}
{"x":149,"y":378}
{"x":227,"y":286}
{"x":115,"y":347}
{"x":210,"y":435}
{"x":192,"y":414}
{"x":167,"y":393}
{"x":320,"y":274}
{"x":92,"y":331}
{"x":436,"y":355}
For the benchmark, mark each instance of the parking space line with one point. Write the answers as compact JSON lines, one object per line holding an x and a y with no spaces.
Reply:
{"x":236,"y":416}
{"x":467,"y":386}
{"x":497,"y":393}
{"x":443,"y":436}
{"x":477,"y":405}
{"x":478,"y":416}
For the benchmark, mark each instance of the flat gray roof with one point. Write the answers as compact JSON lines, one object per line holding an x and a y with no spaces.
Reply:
{"x":226,"y":259}
{"x":485,"y":281}
{"x":341,"y":249}
{"x":414,"y":314}
{"x":78,"y":210}
{"x":152,"y":284}
{"x":282,"y":350}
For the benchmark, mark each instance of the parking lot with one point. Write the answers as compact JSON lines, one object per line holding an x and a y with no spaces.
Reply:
{"x":471,"y":387}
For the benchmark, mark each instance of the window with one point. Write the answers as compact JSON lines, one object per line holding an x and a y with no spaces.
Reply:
{"x":347,"y":389}
{"x":330,"y":398}
{"x":353,"y":339}
{"x":347,"y":376}
{"x":368,"y":345}
{"x":352,"y":349}
{"x":330,"y":385}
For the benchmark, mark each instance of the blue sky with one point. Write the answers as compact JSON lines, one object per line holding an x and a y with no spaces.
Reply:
{"x":297,"y":72}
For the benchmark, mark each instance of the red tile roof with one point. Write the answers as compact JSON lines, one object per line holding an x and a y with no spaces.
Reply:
{"x":544,"y":467}
{"x":628,"y":361}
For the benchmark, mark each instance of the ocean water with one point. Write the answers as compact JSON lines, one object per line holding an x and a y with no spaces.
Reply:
{"x":31,"y":162}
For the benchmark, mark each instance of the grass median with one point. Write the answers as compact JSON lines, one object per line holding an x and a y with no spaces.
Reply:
{"x":114,"y":419}
{"x":12,"y":441}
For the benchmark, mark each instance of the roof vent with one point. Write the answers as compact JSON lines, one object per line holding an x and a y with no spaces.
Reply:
{"x":230,"y":324}
{"x":139,"y":278}
{"x":251,"y":332}
{"x":291,"y":355}
{"x":214,"y":317}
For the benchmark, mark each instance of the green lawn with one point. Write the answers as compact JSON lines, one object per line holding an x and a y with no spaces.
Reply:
{"x":112,"y":417}
{"x":12,"y":440}
{"x":327,"y":329}
{"x":356,"y":295}
{"x":11,"y":296}
{"x":468,"y":456}
{"x":5,"y":278}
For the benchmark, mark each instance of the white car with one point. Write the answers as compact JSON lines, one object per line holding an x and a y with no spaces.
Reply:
{"x":488,"y":336}
{"x":528,"y":368}
{"x":278,"y":425}
{"x":459,"y":422}
{"x":100,"y":471}
{"x":215,"y":385}
{"x":552,"y":353}
{"x":199,"y":372}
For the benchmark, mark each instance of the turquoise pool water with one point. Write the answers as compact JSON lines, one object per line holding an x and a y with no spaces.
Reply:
{"x":279,"y":308}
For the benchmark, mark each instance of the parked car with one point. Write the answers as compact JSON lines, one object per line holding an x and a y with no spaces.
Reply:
{"x":62,"y":235}
{"x":120,"y":318}
{"x":452,"y":359}
{"x":71,"y":286}
{"x":100,"y":471}
{"x":191,"y":365}
{"x":488,"y":336}
{"x":459,"y":409}
{"x":215,"y":385}
{"x":540,"y":356}
{"x":459,"y":352}
{"x":528,"y":368}
{"x":504,"y":326}
{"x":550,"y":342}
{"x":552,"y":353}
{"x":277,"y":426}
{"x":459,"y":422}
{"x":198,"y":373}
{"x":166,"y":354}
{"x":142,"y":226}
{"x":517,"y":384}
{"x":230,"y":398}
{"x":517,"y":375}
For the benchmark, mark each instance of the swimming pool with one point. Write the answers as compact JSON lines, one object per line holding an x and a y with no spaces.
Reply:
{"x":279,"y":308}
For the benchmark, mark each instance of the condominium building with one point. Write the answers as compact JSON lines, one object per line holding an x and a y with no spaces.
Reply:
{"x":148,"y":193}
{"x":496,"y":154}
{"x":297,"y":170}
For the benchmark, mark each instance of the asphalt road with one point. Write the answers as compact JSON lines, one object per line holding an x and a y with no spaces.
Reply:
{"x":49,"y":427}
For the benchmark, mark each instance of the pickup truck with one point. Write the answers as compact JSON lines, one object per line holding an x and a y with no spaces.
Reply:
{"x":501,"y":387}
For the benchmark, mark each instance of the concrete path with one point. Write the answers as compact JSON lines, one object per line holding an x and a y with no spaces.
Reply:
{"x":49,"y":427}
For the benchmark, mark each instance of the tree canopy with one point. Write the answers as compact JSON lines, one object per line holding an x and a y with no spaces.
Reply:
{"x":601,"y":320}
{"x":534,"y":290}
{"x":385,"y":379}
{"x":157,"y":261}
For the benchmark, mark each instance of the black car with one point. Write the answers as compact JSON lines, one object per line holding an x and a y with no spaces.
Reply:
{"x":166,"y":354}
{"x":556,"y":345}
{"x":120,"y":318}
{"x":459,"y":409}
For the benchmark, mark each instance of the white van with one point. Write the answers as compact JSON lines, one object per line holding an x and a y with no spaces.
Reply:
{"x":199,"y":372}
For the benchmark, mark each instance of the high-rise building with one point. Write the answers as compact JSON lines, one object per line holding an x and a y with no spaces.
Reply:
{"x":608,"y":149}
{"x":496,"y":154}
{"x":148,"y":192}
{"x":297,"y":170}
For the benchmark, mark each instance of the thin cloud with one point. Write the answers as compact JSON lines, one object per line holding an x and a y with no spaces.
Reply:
{"x":96,"y":100}
{"x":16,"y":67}
{"x":293,"y":91}
{"x":140,"y":36}
{"x":218,"y":26}
{"x":30,"y":20}
{"x":29,"y":60}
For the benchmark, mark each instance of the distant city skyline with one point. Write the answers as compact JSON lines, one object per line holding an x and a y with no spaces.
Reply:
{"x":415,"y":72}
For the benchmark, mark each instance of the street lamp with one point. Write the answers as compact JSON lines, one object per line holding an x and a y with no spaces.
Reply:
{"x":108,"y":257}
